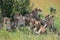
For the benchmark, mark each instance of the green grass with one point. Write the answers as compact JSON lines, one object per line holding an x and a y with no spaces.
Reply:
{"x":27,"y":35}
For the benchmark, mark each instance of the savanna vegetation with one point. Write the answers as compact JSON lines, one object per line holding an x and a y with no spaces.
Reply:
{"x":8,"y":8}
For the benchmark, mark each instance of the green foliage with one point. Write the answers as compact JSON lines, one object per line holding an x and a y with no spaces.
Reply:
{"x":22,"y":6}
{"x":6,"y":7}
{"x":0,"y":15}
{"x":11,"y":7}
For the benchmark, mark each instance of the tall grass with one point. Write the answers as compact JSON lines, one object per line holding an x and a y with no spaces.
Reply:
{"x":26,"y":35}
